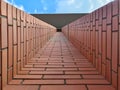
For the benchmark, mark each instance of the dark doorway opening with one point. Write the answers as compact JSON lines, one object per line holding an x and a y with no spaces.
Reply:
{"x":58,"y":30}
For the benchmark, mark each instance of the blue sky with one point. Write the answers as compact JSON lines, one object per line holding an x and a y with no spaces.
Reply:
{"x":58,"y":6}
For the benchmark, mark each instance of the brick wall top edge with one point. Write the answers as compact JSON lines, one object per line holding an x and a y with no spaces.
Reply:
{"x":3,"y":9}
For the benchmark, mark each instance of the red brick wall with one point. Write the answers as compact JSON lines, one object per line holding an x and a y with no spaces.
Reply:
{"x":21,"y":36}
{"x":97,"y":37}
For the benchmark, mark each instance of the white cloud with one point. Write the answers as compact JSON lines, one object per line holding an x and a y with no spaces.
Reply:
{"x":45,"y":8}
{"x":103,"y":2}
{"x":35,"y":11}
{"x":71,"y":2}
{"x":76,"y":6}
{"x":68,"y":6}
{"x":100,"y":3}
{"x":42,"y":1}
{"x":21,"y":7}
{"x":91,"y":6}
{"x":8,"y":1}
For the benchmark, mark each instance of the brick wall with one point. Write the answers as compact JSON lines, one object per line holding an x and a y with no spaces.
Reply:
{"x":21,"y":36}
{"x":97,"y":37}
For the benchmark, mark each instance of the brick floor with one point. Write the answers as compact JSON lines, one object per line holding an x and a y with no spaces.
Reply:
{"x":59,"y":66}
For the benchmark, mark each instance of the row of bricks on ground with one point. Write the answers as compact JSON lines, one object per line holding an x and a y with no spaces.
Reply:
{"x":59,"y":87}
{"x":60,"y":82}
{"x":66,"y":71}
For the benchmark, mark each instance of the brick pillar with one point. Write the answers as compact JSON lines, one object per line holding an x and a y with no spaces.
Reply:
{"x":3,"y":43}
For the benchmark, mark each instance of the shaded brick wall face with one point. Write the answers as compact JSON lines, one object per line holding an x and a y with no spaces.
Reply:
{"x":21,"y":36}
{"x":97,"y":37}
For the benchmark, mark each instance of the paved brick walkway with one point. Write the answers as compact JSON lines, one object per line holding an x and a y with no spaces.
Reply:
{"x":59,"y":66}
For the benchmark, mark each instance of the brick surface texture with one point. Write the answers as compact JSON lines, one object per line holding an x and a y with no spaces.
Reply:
{"x":84,"y":56}
{"x":96,"y":36}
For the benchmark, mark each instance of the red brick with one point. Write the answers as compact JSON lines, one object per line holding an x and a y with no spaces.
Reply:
{"x":10,"y":47}
{"x":21,"y":87}
{"x":37,"y":63}
{"x":28,"y":65}
{"x":109,"y":13}
{"x":50,"y":63}
{"x":97,"y":46}
{"x":55,"y":66}
{"x":104,"y":47}
{"x":101,"y":87}
{"x":99,"y":63}
{"x":69,"y":66}
{"x":15,"y":82}
{"x":61,"y":69}
{"x":81,"y":72}
{"x":115,"y":7}
{"x":15,"y":32}
{"x":19,"y":48}
{"x":114,"y":79}
{"x":28,"y":76}
{"x":93,"y":15}
{"x":22,"y":32}
{"x":0,"y":83}
{"x":54,"y":58}
{"x":61,"y":77}
{"x":22,"y":53}
{"x":119,"y":9}
{"x":46,"y":72}
{"x":96,"y":15}
{"x":25,"y":43}
{"x":100,"y":41}
{"x":22,"y":15}
{"x":10,"y":18}
{"x":114,"y":51}
{"x":104,"y":11}
{"x":103,"y":70}
{"x":115,"y":23}
{"x":100,"y":15}
{"x":18,"y":17}
{"x":15,"y":60}
{"x":104,"y":28}
{"x":19,"y":66}
{"x":87,"y":81}
{"x":10,"y":74}
{"x":43,"y":82}
{"x":63,"y":87}
{"x":4,"y":67}
{"x":23,"y":72}
{"x":3,"y":33}
{"x":14,"y":12}
{"x":0,"y":62}
{"x":96,"y":25}
{"x":118,"y":78}
{"x":92,"y":77}
{"x":119,"y":45}
{"x":108,"y":70}
{"x":87,"y":69}
{"x":3,"y":9}
{"x":109,"y":42}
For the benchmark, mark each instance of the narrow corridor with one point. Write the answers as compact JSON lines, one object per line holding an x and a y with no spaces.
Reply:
{"x":59,"y":66}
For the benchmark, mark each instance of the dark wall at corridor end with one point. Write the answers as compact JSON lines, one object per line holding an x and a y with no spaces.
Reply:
{"x":59,"y":20}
